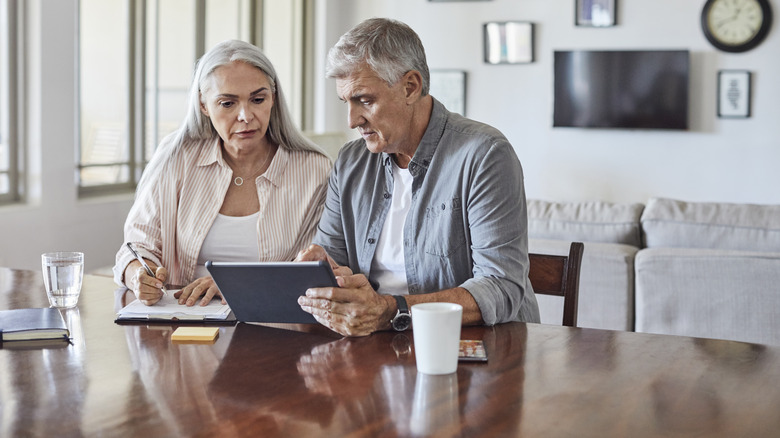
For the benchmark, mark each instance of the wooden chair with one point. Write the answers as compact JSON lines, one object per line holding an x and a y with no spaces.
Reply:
{"x":560,"y":276}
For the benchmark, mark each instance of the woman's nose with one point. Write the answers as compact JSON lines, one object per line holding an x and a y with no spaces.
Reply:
{"x":243,"y":115}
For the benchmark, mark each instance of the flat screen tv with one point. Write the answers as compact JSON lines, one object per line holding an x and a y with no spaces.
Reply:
{"x":642,"y":89}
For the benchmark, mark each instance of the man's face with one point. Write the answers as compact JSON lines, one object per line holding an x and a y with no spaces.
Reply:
{"x":378,"y":111}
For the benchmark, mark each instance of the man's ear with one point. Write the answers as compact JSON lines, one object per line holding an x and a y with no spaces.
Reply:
{"x":413,"y":85}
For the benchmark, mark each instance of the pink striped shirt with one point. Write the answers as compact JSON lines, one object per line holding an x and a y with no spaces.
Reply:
{"x":182,"y":191}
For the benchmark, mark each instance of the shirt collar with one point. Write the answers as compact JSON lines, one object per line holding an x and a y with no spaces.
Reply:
{"x":430,"y":140}
{"x":213,"y":155}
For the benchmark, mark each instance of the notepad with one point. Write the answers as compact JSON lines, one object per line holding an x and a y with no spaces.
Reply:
{"x":169,"y":309}
{"x":196,"y":334}
{"x":32,"y":324}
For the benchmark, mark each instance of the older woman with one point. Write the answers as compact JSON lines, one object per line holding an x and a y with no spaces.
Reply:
{"x":237,"y":182}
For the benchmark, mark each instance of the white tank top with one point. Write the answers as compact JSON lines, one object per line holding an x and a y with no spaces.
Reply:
{"x":230,"y":239}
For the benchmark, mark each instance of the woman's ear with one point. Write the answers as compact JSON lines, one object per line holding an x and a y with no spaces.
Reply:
{"x":203,"y":108}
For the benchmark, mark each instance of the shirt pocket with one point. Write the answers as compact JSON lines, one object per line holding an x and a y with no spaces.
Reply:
{"x":443,"y":231}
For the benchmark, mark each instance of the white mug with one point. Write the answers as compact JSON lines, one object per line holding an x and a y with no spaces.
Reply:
{"x":436,"y":329}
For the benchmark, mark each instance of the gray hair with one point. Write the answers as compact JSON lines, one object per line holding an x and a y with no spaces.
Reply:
{"x":281,"y":129}
{"x":389,"y":47}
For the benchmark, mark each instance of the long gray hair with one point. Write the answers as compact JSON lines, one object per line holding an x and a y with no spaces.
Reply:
{"x":390,"y":47}
{"x":281,"y":129}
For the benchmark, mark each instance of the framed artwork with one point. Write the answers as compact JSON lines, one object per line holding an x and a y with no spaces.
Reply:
{"x":510,"y":42}
{"x":449,"y":88}
{"x":595,"y":13}
{"x":734,"y":94}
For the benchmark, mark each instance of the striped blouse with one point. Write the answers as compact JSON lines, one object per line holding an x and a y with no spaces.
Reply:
{"x":182,"y":191}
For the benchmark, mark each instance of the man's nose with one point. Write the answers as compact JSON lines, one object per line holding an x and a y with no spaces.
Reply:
{"x":354,"y":117}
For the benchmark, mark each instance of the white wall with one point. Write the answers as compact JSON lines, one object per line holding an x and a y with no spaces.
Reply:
{"x":716,"y":160}
{"x":720,"y":160}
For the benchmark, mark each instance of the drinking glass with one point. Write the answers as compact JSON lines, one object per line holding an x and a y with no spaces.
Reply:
{"x":62,"y":275}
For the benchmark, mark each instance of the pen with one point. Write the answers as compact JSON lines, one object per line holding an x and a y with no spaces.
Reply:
{"x":143,"y":263}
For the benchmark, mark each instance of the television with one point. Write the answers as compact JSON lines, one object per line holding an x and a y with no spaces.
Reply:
{"x":641,"y":89}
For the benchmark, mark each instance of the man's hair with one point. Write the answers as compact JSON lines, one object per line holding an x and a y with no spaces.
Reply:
{"x":389,"y":47}
{"x":281,"y":129}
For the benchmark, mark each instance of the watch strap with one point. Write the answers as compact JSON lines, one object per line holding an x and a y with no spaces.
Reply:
{"x":400,"y":301}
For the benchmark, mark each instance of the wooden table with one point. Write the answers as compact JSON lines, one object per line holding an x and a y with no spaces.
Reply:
{"x":546,"y":381}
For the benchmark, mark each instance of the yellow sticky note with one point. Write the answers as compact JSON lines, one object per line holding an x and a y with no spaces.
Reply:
{"x":195,"y":334}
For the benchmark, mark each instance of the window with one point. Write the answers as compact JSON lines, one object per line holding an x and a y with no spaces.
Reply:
{"x":136,"y":62}
{"x":10,"y":107}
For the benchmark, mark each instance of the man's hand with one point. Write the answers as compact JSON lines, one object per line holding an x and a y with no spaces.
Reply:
{"x":202,"y":287}
{"x":316,"y":253}
{"x":353,"y":309}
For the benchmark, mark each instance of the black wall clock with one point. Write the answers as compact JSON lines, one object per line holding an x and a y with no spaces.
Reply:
{"x":736,"y":25}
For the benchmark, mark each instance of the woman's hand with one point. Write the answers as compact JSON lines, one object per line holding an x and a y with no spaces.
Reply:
{"x":146,"y":288}
{"x":202,"y":287}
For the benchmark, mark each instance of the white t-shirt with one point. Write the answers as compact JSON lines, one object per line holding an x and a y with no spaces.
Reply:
{"x":230,"y":239}
{"x":388,"y":267}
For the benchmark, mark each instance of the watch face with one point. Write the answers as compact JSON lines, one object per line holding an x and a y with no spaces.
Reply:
{"x":736,"y":25}
{"x":402,"y":321}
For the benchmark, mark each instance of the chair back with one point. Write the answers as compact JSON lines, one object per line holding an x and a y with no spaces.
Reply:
{"x":560,"y":276}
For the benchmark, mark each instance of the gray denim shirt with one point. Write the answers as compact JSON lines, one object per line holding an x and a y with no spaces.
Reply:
{"x":467,"y":225}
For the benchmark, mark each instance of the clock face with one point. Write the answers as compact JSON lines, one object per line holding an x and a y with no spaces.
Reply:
{"x":734,"y":22}
{"x":736,"y":25}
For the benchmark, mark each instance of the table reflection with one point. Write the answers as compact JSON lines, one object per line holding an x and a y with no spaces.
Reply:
{"x":174,"y":377}
{"x":435,"y":409}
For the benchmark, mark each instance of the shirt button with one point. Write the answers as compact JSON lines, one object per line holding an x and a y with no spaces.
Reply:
{"x":387,"y":195}
{"x":443,"y":207}
{"x":371,"y":240}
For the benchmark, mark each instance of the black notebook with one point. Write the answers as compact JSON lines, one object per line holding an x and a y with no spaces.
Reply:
{"x":32,"y":324}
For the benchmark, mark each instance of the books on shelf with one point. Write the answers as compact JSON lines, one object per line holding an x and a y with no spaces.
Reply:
{"x":169,"y":309}
{"x":32,"y":325}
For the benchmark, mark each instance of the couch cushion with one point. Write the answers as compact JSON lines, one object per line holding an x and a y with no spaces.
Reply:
{"x":680,"y":224}
{"x":585,"y":221}
{"x":709,"y":293}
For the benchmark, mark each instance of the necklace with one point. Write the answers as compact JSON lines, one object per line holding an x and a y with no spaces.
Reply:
{"x":240,"y":181}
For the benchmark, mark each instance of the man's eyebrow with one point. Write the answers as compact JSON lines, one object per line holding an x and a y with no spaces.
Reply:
{"x":355,"y":97}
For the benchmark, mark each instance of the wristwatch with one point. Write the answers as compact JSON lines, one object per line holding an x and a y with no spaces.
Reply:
{"x":402,"y":319}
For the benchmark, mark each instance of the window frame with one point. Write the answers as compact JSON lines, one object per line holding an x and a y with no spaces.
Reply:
{"x":13,"y":114}
{"x":136,"y":108}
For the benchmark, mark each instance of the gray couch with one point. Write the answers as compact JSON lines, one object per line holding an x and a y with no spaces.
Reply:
{"x":707,"y":270}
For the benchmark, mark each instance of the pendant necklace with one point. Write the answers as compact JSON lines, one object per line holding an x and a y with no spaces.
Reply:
{"x":240,"y":181}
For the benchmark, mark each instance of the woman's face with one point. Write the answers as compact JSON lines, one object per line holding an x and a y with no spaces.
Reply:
{"x":238,"y":99}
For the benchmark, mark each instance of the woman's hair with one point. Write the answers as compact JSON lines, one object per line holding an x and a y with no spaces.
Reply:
{"x":390,"y":48}
{"x":281,"y":129}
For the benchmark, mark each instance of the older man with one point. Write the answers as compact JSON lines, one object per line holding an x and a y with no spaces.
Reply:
{"x":426,"y":206}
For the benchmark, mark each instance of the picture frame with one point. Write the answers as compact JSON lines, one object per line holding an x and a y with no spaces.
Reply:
{"x":734,"y":94}
{"x":595,"y":13}
{"x":449,"y":88}
{"x":508,"y":42}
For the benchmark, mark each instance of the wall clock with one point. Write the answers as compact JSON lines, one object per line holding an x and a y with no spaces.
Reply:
{"x":736,"y":25}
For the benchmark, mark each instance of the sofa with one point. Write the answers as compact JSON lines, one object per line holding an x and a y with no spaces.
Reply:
{"x":709,"y":270}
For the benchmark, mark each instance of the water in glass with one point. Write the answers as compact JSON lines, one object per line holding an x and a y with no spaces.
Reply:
{"x":63,"y":281}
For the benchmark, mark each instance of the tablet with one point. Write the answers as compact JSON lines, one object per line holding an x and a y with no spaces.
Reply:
{"x":269,"y":291}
